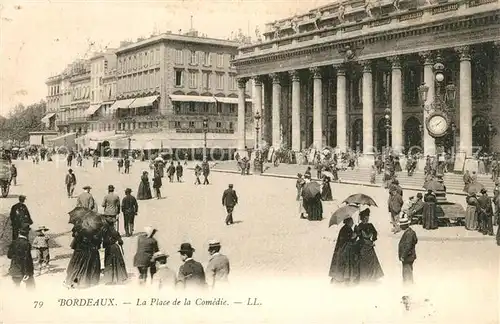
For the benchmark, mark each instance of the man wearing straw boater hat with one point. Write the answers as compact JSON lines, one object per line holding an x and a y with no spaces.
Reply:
{"x":406,"y":249}
{"x":86,"y":200}
{"x":218,"y":265}
{"x":191,"y":273}
{"x":164,"y":277}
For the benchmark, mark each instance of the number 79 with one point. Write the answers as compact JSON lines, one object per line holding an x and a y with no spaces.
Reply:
{"x":37,"y":304}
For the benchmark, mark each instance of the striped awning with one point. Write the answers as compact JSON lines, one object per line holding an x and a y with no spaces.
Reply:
{"x":47,"y":117}
{"x":183,"y":98}
{"x":121,"y":104}
{"x":92,"y":109}
{"x":143,"y":102}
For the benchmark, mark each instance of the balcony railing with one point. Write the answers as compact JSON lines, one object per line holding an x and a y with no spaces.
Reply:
{"x":201,"y":130}
{"x":142,"y":118}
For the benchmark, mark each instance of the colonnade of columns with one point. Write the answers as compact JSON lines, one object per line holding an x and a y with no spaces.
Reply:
{"x":465,"y":104}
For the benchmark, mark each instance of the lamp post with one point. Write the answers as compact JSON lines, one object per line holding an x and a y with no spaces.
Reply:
{"x":454,"y":136}
{"x":257,"y":163}
{"x":387,"y":117}
{"x":205,"y":130}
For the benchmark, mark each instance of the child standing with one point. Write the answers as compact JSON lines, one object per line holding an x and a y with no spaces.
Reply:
{"x":41,"y":244}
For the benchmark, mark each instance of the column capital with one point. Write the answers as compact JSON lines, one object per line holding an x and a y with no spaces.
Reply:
{"x":275,"y":77}
{"x":464,"y":52}
{"x":242,"y":82}
{"x":316,"y":72}
{"x":294,"y":75}
{"x":340,"y":68}
{"x":367,"y":66}
{"x":257,"y":80}
{"x":395,"y":62}
{"x":427,"y":56}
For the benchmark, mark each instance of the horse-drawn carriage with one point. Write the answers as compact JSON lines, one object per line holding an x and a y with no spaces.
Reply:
{"x":4,"y":174}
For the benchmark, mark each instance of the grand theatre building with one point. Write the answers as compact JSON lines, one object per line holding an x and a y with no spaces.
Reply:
{"x":357,"y":75}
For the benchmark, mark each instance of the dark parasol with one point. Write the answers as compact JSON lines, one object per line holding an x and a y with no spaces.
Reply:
{"x":360,"y":199}
{"x":311,"y":190}
{"x":86,"y":220}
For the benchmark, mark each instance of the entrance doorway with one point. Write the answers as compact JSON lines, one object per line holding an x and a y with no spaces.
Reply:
{"x":413,"y":136}
{"x":381,"y":135}
{"x":357,"y":135}
{"x":480,"y":135}
{"x":332,"y":138}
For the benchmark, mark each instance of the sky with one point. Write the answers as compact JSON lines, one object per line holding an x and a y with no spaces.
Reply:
{"x":39,"y":38}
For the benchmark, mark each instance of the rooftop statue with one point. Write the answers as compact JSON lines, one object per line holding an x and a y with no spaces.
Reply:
{"x":341,"y":13}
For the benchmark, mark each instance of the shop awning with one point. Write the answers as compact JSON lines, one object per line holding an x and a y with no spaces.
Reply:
{"x":121,"y":104}
{"x":143,"y":102}
{"x":183,"y":98}
{"x":90,"y":140}
{"x":92,"y":109}
{"x":47,"y":117}
{"x":233,"y":101}
{"x":36,"y":140}
{"x":63,"y":140}
{"x":156,"y":142}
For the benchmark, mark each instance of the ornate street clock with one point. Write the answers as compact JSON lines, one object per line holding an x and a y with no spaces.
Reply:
{"x":437,"y":124}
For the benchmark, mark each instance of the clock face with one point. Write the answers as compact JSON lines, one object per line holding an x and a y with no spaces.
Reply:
{"x":437,"y":125}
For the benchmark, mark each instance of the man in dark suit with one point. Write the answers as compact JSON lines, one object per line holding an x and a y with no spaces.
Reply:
{"x":206,"y":171}
{"x":406,"y":249}
{"x":485,"y":213}
{"x":21,"y":264}
{"x":19,"y":217}
{"x":191,"y":273}
{"x":130,"y":208}
{"x":229,"y":199}
{"x":147,"y":246}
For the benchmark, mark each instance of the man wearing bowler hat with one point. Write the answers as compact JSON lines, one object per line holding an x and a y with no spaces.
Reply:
{"x":111,"y":205}
{"x":86,"y":200}
{"x":229,"y":199}
{"x":218,"y":265}
{"x":19,"y":216}
{"x":191,"y":274}
{"x":130,"y":208}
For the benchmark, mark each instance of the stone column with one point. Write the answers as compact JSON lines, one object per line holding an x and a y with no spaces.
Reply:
{"x":367,"y":107}
{"x":258,"y":108}
{"x":397,"y":104}
{"x":341,"y":108}
{"x":465,"y":93}
{"x":296,"y":140}
{"x":276,"y":107}
{"x":317,"y":108}
{"x":429,"y":142}
{"x":242,"y":82}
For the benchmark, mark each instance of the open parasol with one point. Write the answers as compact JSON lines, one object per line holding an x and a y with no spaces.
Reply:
{"x":475,"y":188}
{"x":311,"y":190}
{"x":87,"y":220}
{"x":342,"y":213}
{"x":360,"y":199}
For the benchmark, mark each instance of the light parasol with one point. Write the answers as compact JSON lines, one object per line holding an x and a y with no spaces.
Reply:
{"x":342,"y":213}
{"x":475,"y":188}
{"x":360,"y":199}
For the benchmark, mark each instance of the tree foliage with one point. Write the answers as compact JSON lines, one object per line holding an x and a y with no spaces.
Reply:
{"x":22,"y":120}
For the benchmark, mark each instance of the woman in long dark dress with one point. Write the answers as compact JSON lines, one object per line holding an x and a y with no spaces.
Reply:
{"x":344,"y":267}
{"x":471,"y":222}
{"x":369,"y":265}
{"x":429,"y":217}
{"x":326,"y":191}
{"x":84,"y":268}
{"x":115,"y":271}
{"x":312,"y":205}
{"x":144,"y":191}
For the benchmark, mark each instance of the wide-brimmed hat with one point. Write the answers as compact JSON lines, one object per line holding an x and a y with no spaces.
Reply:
{"x":186,"y":247}
{"x":87,"y":188}
{"x":213,"y":243}
{"x":159,"y":255}
{"x":41,"y":229}
{"x":404,"y":221}
{"x":150,"y":230}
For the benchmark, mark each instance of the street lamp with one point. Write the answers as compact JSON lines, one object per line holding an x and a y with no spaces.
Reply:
{"x":387,"y":117}
{"x":205,"y":130}
{"x":257,"y":164}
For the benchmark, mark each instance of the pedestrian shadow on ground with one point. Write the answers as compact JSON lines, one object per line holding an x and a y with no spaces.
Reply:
{"x":237,"y":222}
{"x":6,"y":235}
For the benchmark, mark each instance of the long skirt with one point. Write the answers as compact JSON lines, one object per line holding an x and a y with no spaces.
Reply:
{"x":144,"y":191}
{"x":115,"y":271}
{"x":345,"y":264}
{"x":84,"y":268}
{"x":429,"y":217}
{"x":397,"y":167}
{"x":471,"y":222}
{"x":498,"y":235}
{"x":369,"y":265}
{"x":314,"y":209}
{"x":326,"y":194}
